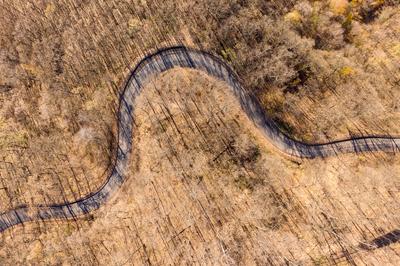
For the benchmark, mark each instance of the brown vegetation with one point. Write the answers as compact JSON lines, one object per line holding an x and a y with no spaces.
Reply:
{"x":323,"y":70}
{"x":205,"y":187}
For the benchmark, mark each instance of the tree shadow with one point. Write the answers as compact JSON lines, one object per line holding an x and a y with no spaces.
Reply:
{"x":382,"y":241}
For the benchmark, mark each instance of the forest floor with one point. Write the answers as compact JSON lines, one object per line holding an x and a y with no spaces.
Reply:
{"x":206,"y":187}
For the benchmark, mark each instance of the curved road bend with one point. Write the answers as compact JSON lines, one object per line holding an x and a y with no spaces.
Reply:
{"x":151,"y":66}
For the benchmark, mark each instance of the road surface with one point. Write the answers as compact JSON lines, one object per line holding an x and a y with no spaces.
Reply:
{"x":151,"y":66}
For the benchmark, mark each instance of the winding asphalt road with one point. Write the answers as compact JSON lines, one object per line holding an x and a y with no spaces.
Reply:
{"x":151,"y":66}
